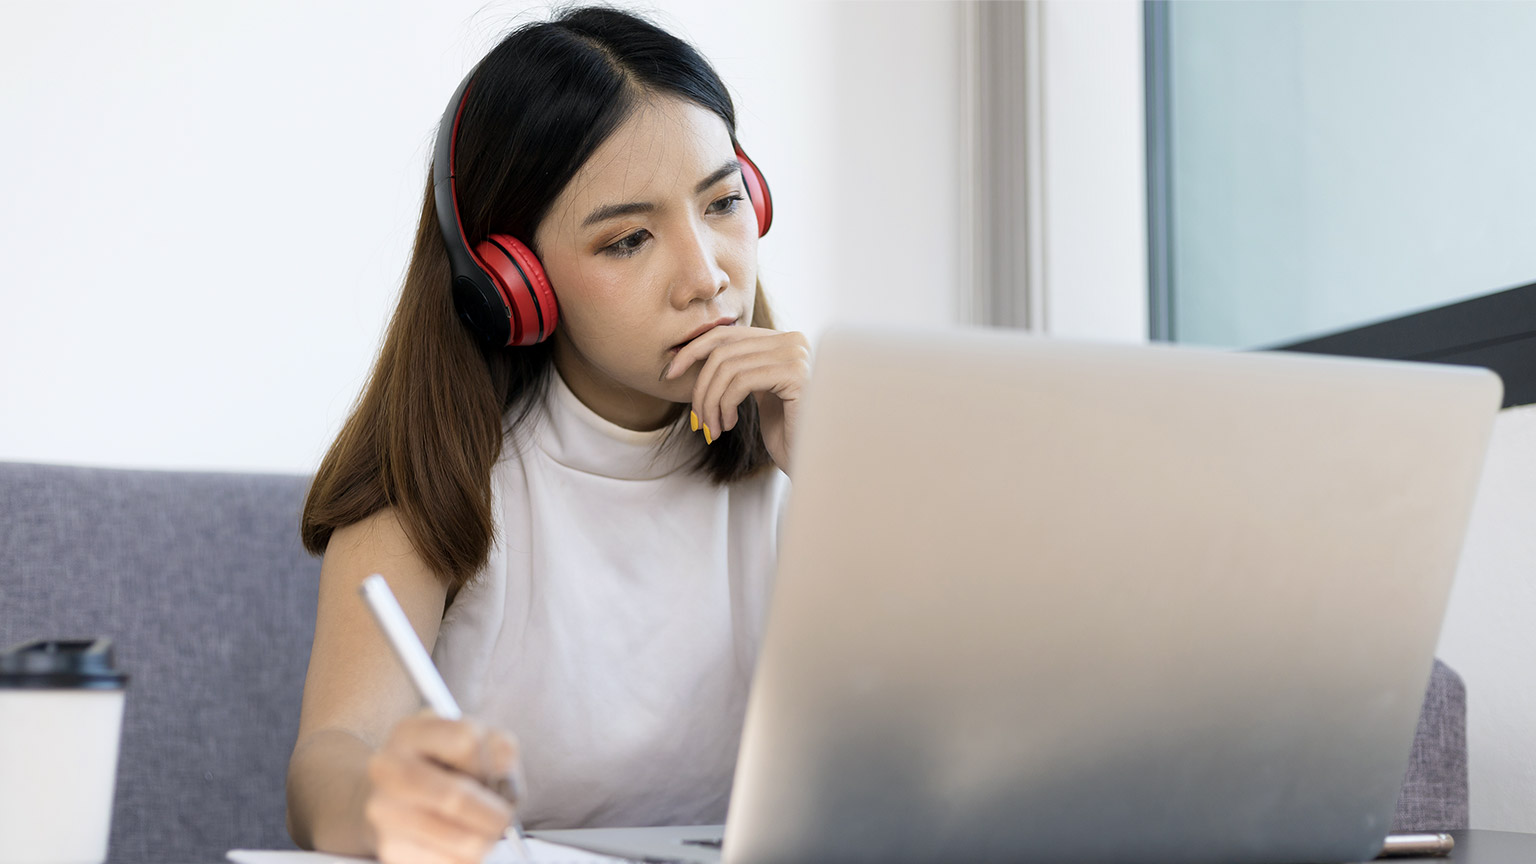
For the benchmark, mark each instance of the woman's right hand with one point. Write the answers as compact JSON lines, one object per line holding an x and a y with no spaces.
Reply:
{"x":430,"y":802}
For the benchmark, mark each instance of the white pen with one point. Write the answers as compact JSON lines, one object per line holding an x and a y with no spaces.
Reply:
{"x":434,"y":691}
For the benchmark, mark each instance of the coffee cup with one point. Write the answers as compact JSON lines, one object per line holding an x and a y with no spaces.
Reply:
{"x":61,"y":718}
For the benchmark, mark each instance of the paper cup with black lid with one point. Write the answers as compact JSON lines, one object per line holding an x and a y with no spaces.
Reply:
{"x":61,"y":717}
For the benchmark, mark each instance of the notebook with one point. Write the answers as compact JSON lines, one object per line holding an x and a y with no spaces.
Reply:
{"x":543,"y":852}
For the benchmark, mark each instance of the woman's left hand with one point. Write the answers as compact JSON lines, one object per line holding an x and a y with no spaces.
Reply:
{"x":771,"y":365}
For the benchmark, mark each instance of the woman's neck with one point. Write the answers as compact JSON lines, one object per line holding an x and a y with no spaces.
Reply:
{"x":609,"y":399}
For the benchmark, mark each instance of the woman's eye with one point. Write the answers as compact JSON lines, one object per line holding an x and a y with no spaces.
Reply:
{"x":627,"y":246}
{"x":631,"y":244}
{"x":729,"y":202}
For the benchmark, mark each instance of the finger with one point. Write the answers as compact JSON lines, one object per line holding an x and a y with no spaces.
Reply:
{"x":735,"y":388}
{"x":398,"y":851}
{"x":498,"y":754}
{"x":455,"y":797}
{"x":501,"y":768}
{"x":401,"y":852}
{"x":401,"y":825}
{"x":721,"y":371}
{"x":726,"y":360}
{"x":789,"y":351}
{"x":458,"y":798}
{"x":700,"y":348}
{"x":791,"y":360}
{"x":455,"y":743}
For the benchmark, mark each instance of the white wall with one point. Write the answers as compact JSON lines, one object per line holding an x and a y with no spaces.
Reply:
{"x":210,"y":206}
{"x":1094,"y":194}
{"x":894,"y":169}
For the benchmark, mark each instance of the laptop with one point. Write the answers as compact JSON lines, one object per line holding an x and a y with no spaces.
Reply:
{"x":1059,"y":601}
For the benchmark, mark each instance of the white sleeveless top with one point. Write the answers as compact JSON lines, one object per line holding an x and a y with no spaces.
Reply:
{"x":615,"y":626}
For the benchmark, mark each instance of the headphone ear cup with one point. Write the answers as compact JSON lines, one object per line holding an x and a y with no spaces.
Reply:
{"x":479,"y":303}
{"x":523,"y":285}
{"x":757,"y":190}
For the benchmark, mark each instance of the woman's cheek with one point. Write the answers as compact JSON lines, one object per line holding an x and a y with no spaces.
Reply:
{"x":607,"y":290}
{"x":614,"y":314}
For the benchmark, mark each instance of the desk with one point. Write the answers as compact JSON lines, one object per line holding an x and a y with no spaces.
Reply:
{"x":1472,"y":847}
{"x":1490,"y":847}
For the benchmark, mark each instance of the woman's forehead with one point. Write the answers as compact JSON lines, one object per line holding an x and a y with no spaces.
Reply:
{"x":661,"y":151}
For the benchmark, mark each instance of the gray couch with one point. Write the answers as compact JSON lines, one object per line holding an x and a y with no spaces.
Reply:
{"x":200,"y":581}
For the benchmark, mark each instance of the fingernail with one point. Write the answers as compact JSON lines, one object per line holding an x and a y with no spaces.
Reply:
{"x":693,"y":419}
{"x":707,"y":439}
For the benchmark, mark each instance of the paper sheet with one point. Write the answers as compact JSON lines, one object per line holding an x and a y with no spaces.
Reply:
{"x":543,"y":853}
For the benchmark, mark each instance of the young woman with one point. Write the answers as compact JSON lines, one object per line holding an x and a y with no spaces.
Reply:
{"x":588,"y":570}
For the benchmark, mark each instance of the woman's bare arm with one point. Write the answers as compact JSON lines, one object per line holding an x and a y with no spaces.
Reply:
{"x":355,"y":691}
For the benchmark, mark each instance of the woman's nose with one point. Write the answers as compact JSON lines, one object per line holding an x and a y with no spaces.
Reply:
{"x":698,"y":274}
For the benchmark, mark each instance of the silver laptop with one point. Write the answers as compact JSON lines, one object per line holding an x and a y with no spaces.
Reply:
{"x":1054,"y":601}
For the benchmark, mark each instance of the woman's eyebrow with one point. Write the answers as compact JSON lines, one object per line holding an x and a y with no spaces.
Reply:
{"x":612,"y":211}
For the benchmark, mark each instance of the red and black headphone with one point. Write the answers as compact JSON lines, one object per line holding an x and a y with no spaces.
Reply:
{"x":499,"y":288}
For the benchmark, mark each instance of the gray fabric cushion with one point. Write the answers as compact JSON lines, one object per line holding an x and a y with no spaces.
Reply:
{"x":201,"y":583}
{"x":1434,"y":796}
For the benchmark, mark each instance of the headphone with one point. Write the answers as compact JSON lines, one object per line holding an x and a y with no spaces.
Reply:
{"x":499,"y":287}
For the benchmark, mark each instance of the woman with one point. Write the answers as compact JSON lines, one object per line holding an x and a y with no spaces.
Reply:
{"x":588,"y":570}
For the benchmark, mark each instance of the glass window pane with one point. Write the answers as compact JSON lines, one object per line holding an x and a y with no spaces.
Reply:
{"x":1337,"y":163}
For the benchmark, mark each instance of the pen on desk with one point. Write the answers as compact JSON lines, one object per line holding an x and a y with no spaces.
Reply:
{"x":434,"y":691}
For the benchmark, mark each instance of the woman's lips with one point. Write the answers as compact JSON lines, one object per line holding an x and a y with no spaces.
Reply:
{"x":723,"y":322}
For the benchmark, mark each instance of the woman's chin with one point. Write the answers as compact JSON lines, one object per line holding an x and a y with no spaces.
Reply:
{"x":679,"y":389}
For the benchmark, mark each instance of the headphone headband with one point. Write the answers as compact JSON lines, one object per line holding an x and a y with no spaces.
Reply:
{"x":444,"y":192}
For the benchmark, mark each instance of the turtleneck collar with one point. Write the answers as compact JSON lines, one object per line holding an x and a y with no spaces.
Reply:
{"x":577,"y":437}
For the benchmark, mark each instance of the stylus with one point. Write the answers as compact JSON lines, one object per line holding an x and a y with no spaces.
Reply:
{"x":434,"y":691}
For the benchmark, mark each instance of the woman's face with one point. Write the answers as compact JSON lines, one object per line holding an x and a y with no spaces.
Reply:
{"x":653,"y":239}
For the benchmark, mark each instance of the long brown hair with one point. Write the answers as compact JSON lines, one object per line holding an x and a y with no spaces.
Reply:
{"x":429,"y":424}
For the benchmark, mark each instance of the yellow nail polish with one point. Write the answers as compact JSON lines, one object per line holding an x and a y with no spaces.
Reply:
{"x":693,"y":419}
{"x":707,"y":439}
